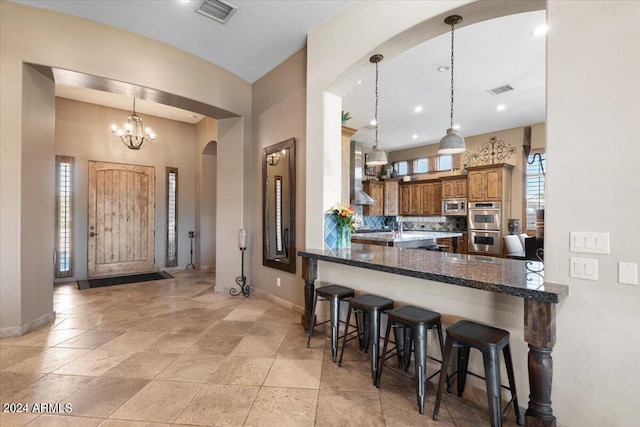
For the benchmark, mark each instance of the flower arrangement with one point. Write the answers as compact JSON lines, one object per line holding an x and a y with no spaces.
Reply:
{"x":346,"y":216}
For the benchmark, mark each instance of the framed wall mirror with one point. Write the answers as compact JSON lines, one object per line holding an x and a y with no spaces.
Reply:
{"x":279,"y":206}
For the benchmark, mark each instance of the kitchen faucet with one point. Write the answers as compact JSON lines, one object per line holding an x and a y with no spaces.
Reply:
{"x":399,"y":224}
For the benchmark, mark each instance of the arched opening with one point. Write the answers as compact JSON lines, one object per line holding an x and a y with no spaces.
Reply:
{"x":206,"y":252}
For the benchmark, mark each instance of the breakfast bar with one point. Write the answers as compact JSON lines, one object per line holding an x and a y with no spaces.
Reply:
{"x":500,"y":275}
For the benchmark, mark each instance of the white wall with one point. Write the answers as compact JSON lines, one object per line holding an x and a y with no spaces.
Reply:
{"x":593,"y":58}
{"x":209,"y":206}
{"x":34,"y":35}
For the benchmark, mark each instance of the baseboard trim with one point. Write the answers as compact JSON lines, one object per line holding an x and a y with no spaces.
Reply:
{"x":281,"y":302}
{"x":16,"y":331}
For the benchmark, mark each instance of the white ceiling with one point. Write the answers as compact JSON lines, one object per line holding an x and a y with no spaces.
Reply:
{"x":262,"y":34}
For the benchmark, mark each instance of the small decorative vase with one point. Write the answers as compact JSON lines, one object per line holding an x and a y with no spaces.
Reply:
{"x":344,"y":237}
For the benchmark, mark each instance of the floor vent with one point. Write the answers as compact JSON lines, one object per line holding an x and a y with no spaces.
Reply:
{"x":217,"y":10}
{"x":500,"y":89}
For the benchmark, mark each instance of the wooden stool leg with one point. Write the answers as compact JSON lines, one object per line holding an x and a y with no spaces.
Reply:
{"x":512,"y":383}
{"x":492,"y":373}
{"x":446,"y":359}
{"x":463,"y":363}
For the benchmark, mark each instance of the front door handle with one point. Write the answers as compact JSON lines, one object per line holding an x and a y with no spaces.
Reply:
{"x":92,"y":234}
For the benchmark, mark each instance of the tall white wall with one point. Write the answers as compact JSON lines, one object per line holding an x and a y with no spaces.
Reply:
{"x":593,"y":185}
{"x":51,"y":39}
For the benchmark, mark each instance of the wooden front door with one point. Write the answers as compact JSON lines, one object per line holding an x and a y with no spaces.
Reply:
{"x":121,"y":237}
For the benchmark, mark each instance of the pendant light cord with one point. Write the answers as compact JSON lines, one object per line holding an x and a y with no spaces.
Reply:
{"x":451,"y":119}
{"x":376,"y":115}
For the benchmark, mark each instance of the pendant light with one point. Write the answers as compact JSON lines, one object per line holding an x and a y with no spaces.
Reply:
{"x":376,"y":157}
{"x":452,"y":142}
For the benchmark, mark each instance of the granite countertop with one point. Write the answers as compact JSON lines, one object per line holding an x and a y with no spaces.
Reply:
{"x":501,"y":275}
{"x":406,"y":236}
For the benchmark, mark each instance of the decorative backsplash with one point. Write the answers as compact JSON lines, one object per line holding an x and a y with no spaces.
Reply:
{"x":431,"y":223}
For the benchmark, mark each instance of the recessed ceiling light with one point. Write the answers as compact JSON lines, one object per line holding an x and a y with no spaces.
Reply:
{"x":540,"y":31}
{"x":359,"y":82}
{"x":372,"y":122}
{"x":456,"y":127}
{"x":501,"y":107}
{"x":443,"y":68}
{"x":184,"y":1}
{"x":418,"y":109}
{"x":414,"y":136}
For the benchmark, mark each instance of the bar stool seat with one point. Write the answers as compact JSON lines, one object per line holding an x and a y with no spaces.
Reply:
{"x":334,"y":294}
{"x":415,"y":323}
{"x":370,"y":307}
{"x":467,"y":334}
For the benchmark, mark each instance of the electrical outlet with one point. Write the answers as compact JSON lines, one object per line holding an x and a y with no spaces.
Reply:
{"x":277,"y":281}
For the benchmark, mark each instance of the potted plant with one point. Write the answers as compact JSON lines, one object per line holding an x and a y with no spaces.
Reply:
{"x":346,"y":116}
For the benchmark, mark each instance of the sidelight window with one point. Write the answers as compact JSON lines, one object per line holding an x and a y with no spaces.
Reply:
{"x":172,"y":217}
{"x":64,"y":216}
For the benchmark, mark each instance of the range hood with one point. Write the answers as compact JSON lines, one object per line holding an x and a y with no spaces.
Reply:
{"x":356,"y":160}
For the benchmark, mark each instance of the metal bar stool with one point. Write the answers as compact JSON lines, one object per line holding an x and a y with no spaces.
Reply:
{"x":370,"y":307}
{"x":466,"y":334}
{"x":415,"y":323}
{"x":334,"y":294}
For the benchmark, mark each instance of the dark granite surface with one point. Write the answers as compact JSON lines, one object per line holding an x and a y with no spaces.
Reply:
{"x":501,"y":275}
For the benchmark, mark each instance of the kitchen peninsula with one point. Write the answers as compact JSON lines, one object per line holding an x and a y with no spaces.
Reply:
{"x":504,"y":276}
{"x":406,"y":239}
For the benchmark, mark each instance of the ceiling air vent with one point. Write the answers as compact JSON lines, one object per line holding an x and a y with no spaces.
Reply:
{"x":499,"y":90}
{"x":217,"y":10}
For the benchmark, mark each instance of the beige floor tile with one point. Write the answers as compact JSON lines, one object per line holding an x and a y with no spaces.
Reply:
{"x":220,"y":405}
{"x":283,"y":407}
{"x":217,"y":345}
{"x":90,"y":339}
{"x":94,"y":363}
{"x":352,"y":408}
{"x":173,"y":343}
{"x":246,"y":314}
{"x":132,"y":341}
{"x":16,"y":419}
{"x":51,"y":388}
{"x":294,"y":373}
{"x":280,"y":314}
{"x":242,"y":371}
{"x":89,"y":321}
{"x":51,"y":338}
{"x":351,"y":376}
{"x":258,"y":346}
{"x":129,"y":423}
{"x":230,"y":328}
{"x":400,"y":408}
{"x":269,"y":328}
{"x":193,"y":366}
{"x":103,"y":396}
{"x":49,"y":360}
{"x":10,"y":382}
{"x":142,"y":365}
{"x":158,"y":401}
{"x":64,"y":421}
{"x":14,"y":354}
{"x":294,"y":346}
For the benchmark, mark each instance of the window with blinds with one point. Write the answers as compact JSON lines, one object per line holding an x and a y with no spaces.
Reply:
{"x":534,"y":187}
{"x":64,"y":216}
{"x":172,"y":217}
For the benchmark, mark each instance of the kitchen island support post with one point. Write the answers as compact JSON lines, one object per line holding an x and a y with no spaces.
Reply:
{"x":539,"y":333}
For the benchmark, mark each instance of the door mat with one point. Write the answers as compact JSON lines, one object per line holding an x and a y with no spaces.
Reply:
{"x":122,"y":280}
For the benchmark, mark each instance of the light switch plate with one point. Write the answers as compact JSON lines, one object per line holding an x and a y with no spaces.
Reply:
{"x":628,"y":273}
{"x":583,"y":268}
{"x":589,"y":243}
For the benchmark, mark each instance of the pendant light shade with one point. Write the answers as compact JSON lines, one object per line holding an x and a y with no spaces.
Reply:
{"x":377,"y":157}
{"x":452,"y":142}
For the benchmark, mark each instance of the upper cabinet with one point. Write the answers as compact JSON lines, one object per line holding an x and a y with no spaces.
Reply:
{"x":489,"y":183}
{"x":421,"y":198}
{"x":454,"y":187}
{"x":376,"y":190}
{"x":391,"y":194}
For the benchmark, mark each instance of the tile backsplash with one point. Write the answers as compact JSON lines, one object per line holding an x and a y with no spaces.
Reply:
{"x":431,"y":223}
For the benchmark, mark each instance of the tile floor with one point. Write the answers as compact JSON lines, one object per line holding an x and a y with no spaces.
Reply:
{"x":173,"y":352}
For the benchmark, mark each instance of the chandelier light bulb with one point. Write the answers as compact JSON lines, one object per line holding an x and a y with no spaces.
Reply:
{"x":132,"y":134}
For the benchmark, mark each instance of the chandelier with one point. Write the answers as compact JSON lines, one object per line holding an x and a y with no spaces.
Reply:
{"x":274,"y":158}
{"x":132,"y":134}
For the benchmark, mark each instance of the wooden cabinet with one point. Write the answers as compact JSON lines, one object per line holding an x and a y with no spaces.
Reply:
{"x":391,"y":194}
{"x":491,"y":183}
{"x":376,"y":190}
{"x":421,"y":198}
{"x":448,"y":241}
{"x":454,"y":187}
